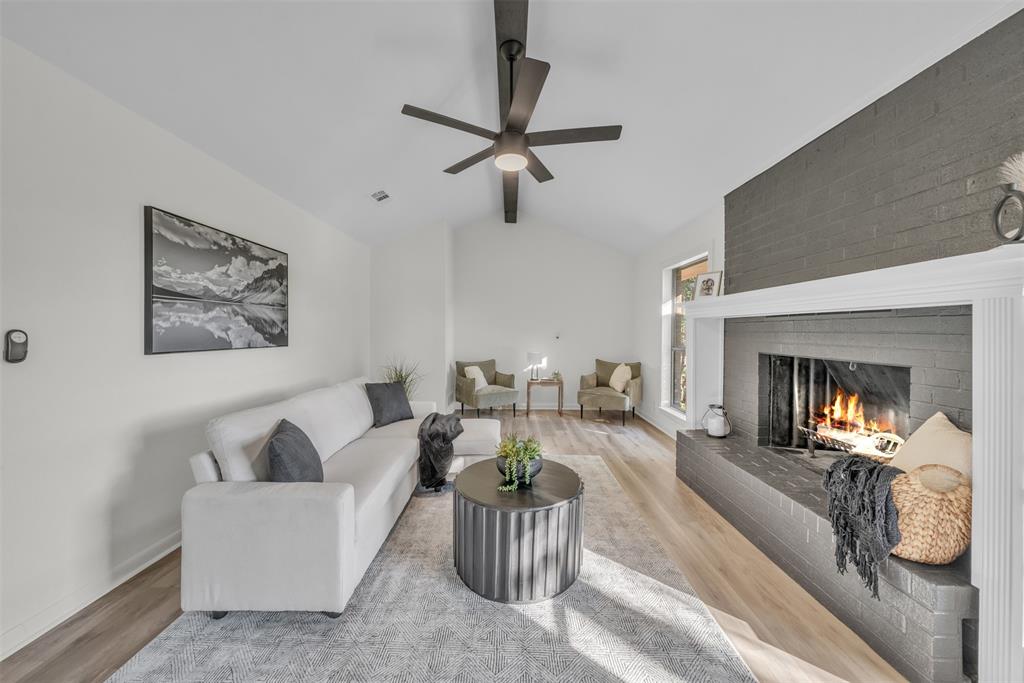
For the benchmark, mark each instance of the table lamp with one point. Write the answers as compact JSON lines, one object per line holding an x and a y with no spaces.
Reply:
{"x":535,"y":359}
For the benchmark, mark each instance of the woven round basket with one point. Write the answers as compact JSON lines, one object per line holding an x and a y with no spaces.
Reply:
{"x":934,"y":504}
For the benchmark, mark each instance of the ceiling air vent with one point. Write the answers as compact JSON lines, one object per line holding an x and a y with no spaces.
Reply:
{"x":380,"y":195}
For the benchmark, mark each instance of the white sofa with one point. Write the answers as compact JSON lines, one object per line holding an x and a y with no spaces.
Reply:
{"x":251,"y":544}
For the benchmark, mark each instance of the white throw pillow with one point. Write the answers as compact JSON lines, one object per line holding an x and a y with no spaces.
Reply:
{"x":620,"y":378}
{"x":477,"y":375}
{"x":937,"y":441}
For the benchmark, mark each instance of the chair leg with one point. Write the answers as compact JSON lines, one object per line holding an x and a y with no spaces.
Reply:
{"x":478,"y":412}
{"x":581,"y":411}
{"x":634,"y":412}
{"x":513,"y":410}
{"x":463,"y":408}
{"x":599,"y":410}
{"x":623,"y":418}
{"x":492,"y":410}
{"x":333,"y":615}
{"x":218,"y":615}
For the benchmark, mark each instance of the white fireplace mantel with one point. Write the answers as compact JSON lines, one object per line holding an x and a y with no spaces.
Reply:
{"x":992,"y":283}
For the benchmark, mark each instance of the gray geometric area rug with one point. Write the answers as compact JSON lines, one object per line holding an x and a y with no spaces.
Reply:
{"x":630,"y":616}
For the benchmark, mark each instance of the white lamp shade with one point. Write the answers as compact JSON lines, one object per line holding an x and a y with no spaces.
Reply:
{"x":535,"y":358}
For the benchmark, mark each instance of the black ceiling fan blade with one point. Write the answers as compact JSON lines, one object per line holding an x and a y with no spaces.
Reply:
{"x":537,"y":169}
{"x":529,"y":83}
{"x":568,"y":136}
{"x":510,"y":20}
{"x":433,"y":117}
{"x":470,"y":161}
{"x":510,"y":192}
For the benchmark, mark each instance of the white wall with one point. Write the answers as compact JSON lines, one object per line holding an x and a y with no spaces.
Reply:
{"x":537,"y":287}
{"x":410,"y":315}
{"x":96,"y":436}
{"x":704,"y":234}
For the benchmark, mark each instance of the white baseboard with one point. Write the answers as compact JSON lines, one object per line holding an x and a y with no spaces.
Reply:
{"x":520,"y":408}
{"x":20,"y":635}
{"x":662,"y":422}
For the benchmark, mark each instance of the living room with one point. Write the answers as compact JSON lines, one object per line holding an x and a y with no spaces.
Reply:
{"x":705,"y":365}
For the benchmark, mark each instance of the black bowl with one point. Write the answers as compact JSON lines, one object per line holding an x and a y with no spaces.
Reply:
{"x":535,"y":466}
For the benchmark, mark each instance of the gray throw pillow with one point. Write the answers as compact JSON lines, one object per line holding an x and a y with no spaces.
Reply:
{"x":389,"y":403}
{"x":293,"y":456}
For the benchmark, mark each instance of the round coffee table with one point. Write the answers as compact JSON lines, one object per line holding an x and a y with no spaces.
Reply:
{"x":522,"y":546}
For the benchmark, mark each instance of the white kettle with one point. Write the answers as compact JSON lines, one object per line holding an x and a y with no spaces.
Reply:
{"x":716,"y":421}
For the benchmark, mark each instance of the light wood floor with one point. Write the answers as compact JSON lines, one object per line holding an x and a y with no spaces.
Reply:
{"x":781,"y":632}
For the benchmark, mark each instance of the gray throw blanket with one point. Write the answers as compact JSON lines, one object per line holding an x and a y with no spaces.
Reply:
{"x":863,"y":515}
{"x":437,"y":433}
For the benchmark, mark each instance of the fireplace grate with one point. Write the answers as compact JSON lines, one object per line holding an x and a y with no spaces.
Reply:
{"x":880,"y":446}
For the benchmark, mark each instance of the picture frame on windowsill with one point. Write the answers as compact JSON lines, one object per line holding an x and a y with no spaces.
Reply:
{"x":708,"y":284}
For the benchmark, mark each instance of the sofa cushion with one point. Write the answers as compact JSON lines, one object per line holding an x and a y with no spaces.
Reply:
{"x":474,"y":373}
{"x":620,"y":378}
{"x":374,"y":467}
{"x":331,"y":419}
{"x":239,"y":440}
{"x":488,"y":367}
{"x":292,"y":456}
{"x":606,"y":368}
{"x":389,"y":403}
{"x":336,"y":415}
{"x":603,"y":397}
{"x":479,"y":436}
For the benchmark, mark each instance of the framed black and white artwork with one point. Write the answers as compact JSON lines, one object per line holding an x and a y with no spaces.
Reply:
{"x":209,"y":290}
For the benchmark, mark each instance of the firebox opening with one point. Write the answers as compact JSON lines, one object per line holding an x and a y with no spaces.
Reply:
{"x":836,"y":405}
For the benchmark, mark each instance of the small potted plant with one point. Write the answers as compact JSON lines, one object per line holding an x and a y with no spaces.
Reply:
{"x":519,"y":461}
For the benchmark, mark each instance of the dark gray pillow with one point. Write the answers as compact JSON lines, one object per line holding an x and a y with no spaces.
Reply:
{"x":389,"y":403}
{"x":293,"y":456}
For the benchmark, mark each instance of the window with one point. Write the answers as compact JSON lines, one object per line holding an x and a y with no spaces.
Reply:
{"x":684,"y":282}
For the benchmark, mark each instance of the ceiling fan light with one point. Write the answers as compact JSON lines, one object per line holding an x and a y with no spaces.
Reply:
{"x":510,"y":161}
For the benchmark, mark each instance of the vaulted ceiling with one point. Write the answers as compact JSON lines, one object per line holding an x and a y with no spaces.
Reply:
{"x":304,"y":98}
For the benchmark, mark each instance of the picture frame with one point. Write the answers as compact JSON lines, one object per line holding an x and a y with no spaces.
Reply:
{"x":708,"y":284}
{"x":206,"y":289}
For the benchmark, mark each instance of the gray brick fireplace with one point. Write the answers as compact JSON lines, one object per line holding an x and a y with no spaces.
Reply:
{"x":925,"y":622}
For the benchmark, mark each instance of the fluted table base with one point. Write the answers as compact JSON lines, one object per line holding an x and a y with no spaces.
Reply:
{"x":518,"y":553}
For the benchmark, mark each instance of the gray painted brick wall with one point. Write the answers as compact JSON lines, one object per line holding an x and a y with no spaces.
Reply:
{"x":911,"y":177}
{"x":934,"y":342}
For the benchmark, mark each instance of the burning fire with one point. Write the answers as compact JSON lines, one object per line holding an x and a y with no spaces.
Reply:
{"x":846,"y":412}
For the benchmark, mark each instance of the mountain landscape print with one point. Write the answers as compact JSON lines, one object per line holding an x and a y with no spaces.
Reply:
{"x":208,"y":290}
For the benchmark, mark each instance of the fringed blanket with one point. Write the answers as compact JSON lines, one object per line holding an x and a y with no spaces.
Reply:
{"x":863,"y":515}
{"x":436,"y":434}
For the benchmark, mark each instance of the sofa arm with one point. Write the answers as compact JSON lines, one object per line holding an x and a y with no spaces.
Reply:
{"x":588,"y":381}
{"x":634,"y":389}
{"x":420,"y":409}
{"x":503,"y":380}
{"x":465,"y":390}
{"x":268,"y":546}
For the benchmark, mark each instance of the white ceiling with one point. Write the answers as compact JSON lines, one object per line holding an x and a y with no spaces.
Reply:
{"x":304,"y":97}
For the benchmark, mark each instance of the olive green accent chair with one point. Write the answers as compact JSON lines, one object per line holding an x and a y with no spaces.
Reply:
{"x":596,"y":393}
{"x":500,"y":390}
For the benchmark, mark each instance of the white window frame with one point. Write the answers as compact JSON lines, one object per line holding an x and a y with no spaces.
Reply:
{"x":667,"y":294}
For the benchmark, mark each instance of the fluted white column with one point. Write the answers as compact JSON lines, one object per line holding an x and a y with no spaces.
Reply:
{"x":997,"y":543}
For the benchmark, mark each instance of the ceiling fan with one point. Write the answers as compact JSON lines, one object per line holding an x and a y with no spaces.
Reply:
{"x":520,"y":81}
